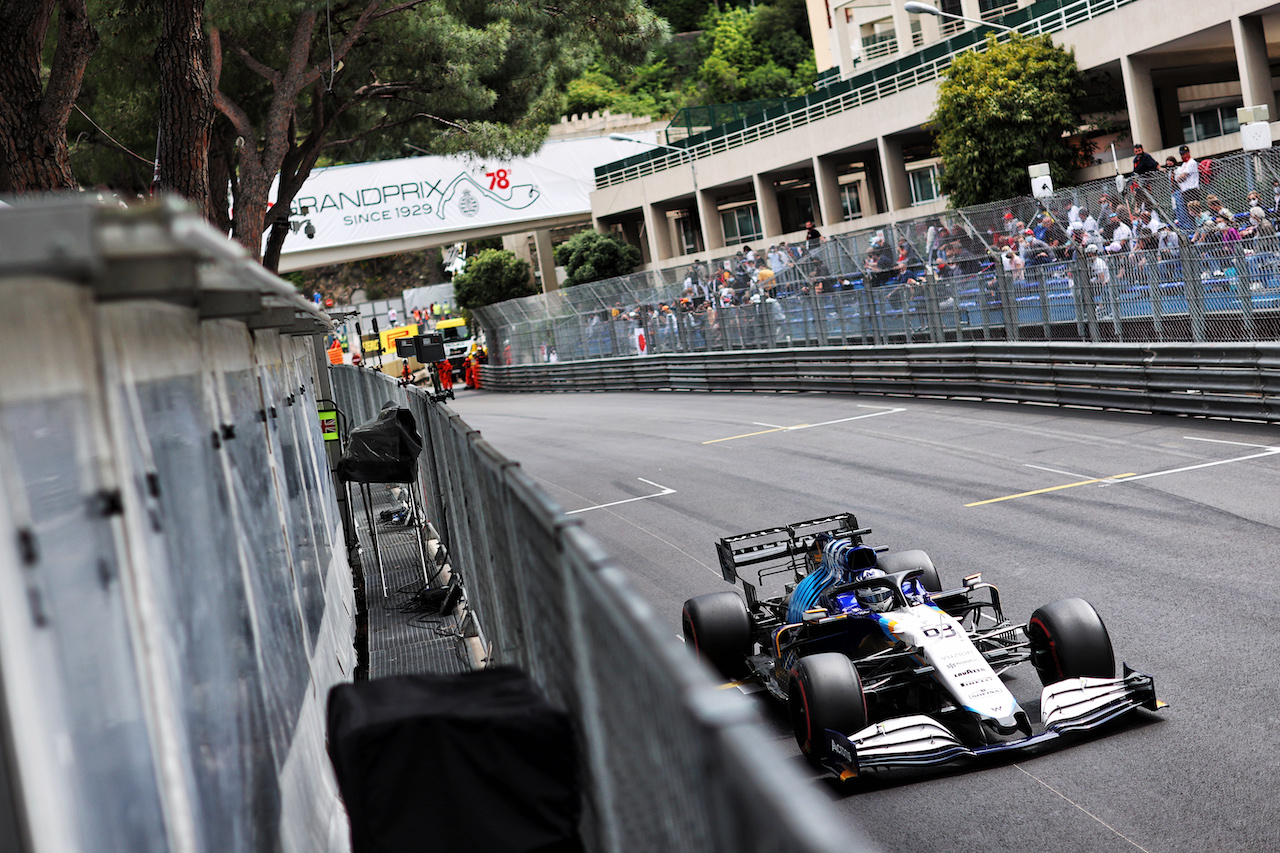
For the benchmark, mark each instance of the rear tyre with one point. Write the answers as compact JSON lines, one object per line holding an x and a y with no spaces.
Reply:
{"x":718,"y":629}
{"x":1069,"y":640}
{"x":825,"y":693}
{"x":902,"y":561}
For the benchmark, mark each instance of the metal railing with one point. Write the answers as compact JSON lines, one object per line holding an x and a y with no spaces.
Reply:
{"x":1107,"y":261}
{"x":924,"y":66}
{"x":1219,"y":381}
{"x":880,"y":45}
{"x":669,"y":762}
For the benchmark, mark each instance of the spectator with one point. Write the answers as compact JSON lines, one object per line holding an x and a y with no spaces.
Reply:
{"x":811,"y":235}
{"x":1261,"y":231}
{"x":1143,"y":163}
{"x":1104,"y":208}
{"x":1013,"y":264}
{"x":1034,"y":251}
{"x":1090,"y":224}
{"x":764,"y":278}
{"x":1228,"y":234}
{"x":879,"y":264}
{"x":1099,"y":274}
{"x":1197,"y":216}
{"x":774,"y":258}
{"x":1121,"y":233}
{"x":1167,"y":242}
{"x":1187,"y":178}
{"x":1216,"y":207}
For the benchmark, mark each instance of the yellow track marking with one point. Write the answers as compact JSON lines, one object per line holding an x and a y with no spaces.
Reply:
{"x":748,"y":435}
{"x":1052,"y":489}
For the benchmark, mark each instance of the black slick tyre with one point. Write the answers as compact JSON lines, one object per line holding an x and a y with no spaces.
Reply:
{"x":1069,"y":640}
{"x":825,"y":692}
{"x":902,"y":561}
{"x":718,"y":629}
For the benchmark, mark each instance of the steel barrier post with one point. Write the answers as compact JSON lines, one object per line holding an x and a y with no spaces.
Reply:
{"x":1244,"y":289}
{"x":1194,"y":288}
{"x":1008,"y":303}
{"x":1086,"y":304}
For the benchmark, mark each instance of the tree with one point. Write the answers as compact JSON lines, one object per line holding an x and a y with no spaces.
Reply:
{"x":591,"y":256}
{"x":186,"y":103}
{"x":295,"y":83}
{"x":494,"y":275}
{"x":358,"y":82}
{"x":37,"y":91}
{"x":757,"y":53}
{"x":1003,"y":109}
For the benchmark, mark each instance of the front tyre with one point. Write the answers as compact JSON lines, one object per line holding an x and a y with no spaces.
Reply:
{"x":718,"y":629}
{"x":1069,"y":640}
{"x":825,"y":692}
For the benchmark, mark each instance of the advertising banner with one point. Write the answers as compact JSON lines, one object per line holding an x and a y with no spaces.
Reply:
{"x":389,"y":199}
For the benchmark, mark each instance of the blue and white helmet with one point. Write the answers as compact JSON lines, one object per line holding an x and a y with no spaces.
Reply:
{"x":876,"y":598}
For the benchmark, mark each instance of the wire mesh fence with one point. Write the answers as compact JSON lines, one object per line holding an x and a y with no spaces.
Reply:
{"x":669,"y":762}
{"x":1186,"y":252}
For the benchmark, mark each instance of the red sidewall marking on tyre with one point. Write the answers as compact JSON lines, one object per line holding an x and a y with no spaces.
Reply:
{"x":1053,"y":646}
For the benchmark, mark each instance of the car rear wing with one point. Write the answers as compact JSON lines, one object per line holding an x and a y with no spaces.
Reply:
{"x":776,"y":550}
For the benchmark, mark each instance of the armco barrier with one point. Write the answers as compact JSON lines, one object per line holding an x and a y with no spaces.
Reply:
{"x":670,"y":762}
{"x":175,"y":598}
{"x":1206,"y":380}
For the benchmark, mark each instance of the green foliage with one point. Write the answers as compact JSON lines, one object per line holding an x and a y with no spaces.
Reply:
{"x":1004,"y":109}
{"x":757,"y":53}
{"x":494,"y":275}
{"x":683,"y":15}
{"x":120,"y":93}
{"x":745,"y":53}
{"x":591,"y":256}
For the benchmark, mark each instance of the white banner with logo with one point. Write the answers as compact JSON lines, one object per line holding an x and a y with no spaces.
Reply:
{"x":389,"y":199}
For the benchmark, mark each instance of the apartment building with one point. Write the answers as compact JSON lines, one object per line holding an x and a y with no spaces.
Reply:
{"x":854,"y":154}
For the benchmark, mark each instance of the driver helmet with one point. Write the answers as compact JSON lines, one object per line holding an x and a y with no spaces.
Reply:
{"x":877,"y":598}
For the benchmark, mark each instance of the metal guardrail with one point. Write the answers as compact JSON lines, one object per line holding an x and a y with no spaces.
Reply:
{"x":669,"y":761}
{"x":1204,"y":380}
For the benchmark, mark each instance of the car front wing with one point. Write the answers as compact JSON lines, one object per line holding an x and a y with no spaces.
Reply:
{"x":1069,"y":706}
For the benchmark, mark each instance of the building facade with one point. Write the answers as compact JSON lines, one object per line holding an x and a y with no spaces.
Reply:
{"x":854,"y":154}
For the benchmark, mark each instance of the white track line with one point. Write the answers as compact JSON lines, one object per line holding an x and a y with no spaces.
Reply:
{"x":1055,"y":471}
{"x":665,"y":491}
{"x":1272,"y":452}
{"x":1236,"y":443}
{"x":1082,"y":808}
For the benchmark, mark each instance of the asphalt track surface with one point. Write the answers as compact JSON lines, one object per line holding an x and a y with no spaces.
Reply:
{"x":1181,"y":556}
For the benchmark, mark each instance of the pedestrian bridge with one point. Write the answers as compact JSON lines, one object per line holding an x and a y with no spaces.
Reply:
{"x":369,"y":210}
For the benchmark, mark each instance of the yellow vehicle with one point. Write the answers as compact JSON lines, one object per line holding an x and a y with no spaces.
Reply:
{"x":457,"y":342}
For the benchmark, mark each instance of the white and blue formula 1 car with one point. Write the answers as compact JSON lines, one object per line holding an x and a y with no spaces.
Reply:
{"x":882,"y":668}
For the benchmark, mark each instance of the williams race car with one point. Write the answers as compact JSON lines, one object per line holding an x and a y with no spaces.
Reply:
{"x":882,"y":668}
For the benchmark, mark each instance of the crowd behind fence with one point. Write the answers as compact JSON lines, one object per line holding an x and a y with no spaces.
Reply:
{"x":1128,"y":259}
{"x":669,"y":762}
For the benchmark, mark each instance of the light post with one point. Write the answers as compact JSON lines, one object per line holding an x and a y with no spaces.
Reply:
{"x":693,"y":166}
{"x":916,"y":8}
